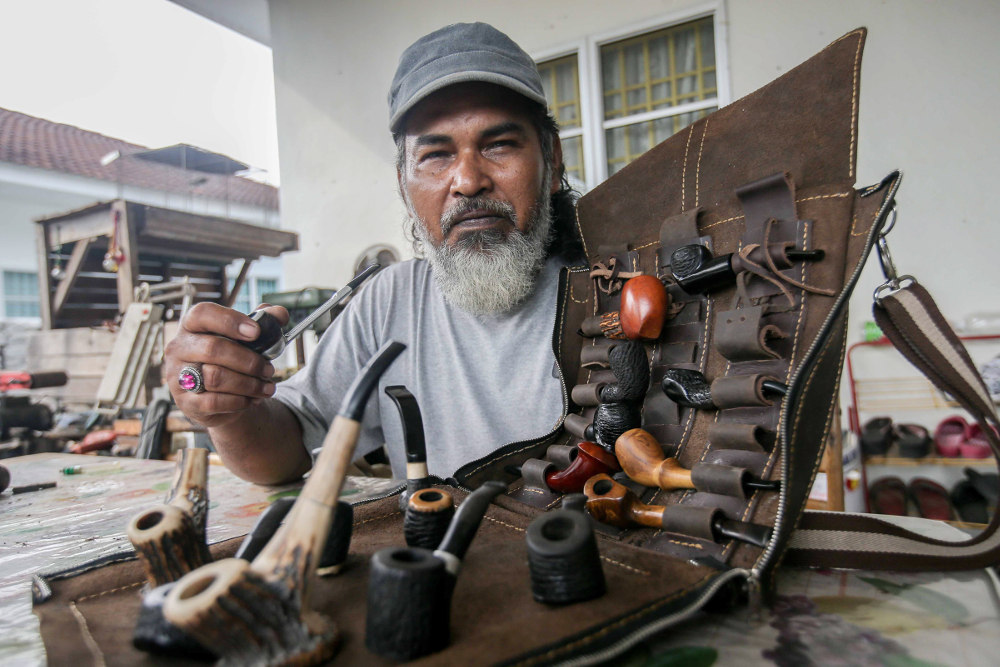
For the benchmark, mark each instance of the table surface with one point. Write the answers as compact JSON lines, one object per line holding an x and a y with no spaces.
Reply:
{"x":823,"y":617}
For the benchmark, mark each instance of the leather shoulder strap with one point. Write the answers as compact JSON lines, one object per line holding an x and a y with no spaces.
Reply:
{"x":912,"y":322}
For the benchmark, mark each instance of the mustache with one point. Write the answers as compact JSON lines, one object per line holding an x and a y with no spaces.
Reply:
{"x":496,"y":207}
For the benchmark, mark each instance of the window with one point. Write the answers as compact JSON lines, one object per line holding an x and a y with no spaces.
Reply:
{"x":242,"y":302}
{"x":266,"y":286}
{"x":20,"y":291}
{"x":643,"y":86}
{"x":561,"y":83}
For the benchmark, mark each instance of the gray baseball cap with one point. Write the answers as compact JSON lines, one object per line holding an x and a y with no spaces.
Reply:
{"x":455,"y":54}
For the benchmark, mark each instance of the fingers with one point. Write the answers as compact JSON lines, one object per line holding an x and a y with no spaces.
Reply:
{"x":220,"y":351}
{"x":278,"y":311}
{"x":226,"y":381}
{"x":212,"y":318}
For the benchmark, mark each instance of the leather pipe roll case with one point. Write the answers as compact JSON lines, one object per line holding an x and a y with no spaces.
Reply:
{"x":773,"y":171}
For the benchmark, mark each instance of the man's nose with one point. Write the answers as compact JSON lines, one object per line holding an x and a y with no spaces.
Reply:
{"x":470,"y":177}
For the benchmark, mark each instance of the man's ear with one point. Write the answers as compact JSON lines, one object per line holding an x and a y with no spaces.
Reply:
{"x":558,"y":168}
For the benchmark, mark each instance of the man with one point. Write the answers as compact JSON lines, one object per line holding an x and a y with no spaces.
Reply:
{"x":480,"y":170}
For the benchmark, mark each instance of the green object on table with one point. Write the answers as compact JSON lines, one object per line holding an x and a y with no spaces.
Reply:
{"x":872,"y":332}
{"x":930,"y":601}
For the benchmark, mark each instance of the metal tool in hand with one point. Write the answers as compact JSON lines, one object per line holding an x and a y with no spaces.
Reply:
{"x":271,"y":342}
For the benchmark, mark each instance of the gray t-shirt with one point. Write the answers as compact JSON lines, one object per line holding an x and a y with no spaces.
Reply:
{"x":481,"y":381}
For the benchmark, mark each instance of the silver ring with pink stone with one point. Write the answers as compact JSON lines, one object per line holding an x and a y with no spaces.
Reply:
{"x":191,"y":380}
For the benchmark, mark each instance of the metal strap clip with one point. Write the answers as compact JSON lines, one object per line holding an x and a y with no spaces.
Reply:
{"x":893,"y":282}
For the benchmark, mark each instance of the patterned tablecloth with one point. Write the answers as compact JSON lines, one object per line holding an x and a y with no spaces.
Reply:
{"x":822,"y":618}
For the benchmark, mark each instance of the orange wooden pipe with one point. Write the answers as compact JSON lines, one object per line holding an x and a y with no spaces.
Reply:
{"x":643,"y":460}
{"x":614,"y":504}
{"x":643,"y":308}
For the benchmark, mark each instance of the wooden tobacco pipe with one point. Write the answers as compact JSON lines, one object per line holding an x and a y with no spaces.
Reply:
{"x":690,"y":389}
{"x":413,"y":442}
{"x":641,"y":315}
{"x":257,"y":613}
{"x":697,"y":271}
{"x":169,"y":539}
{"x":643,"y":460}
{"x":409,"y":589}
{"x":591,"y":459}
{"x":427,"y":517}
{"x":613,"y":503}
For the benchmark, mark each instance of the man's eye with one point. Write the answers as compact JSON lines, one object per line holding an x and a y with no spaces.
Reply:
{"x":503,"y":143}
{"x":433,"y":155}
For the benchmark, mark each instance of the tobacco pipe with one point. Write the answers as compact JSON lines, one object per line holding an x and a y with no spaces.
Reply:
{"x":413,"y":442}
{"x":591,"y":459}
{"x":613,"y":503}
{"x":690,"y":389}
{"x":563,"y":560}
{"x":427,"y":516}
{"x":169,"y":539}
{"x":697,"y":271}
{"x":4,"y":478}
{"x":335,"y":550}
{"x":270,"y":342}
{"x":621,"y":401}
{"x":258,"y":612}
{"x":641,"y":314}
{"x":409,"y":589}
{"x":643,"y":460}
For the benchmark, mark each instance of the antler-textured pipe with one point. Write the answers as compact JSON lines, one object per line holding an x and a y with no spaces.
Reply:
{"x":563,"y":559}
{"x":613,"y":503}
{"x":169,"y":539}
{"x":409,"y":589}
{"x":427,"y":517}
{"x":621,"y":401}
{"x":413,"y":442}
{"x":253,"y":613}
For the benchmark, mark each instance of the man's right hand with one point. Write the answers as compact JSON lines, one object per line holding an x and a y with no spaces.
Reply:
{"x":234,"y":377}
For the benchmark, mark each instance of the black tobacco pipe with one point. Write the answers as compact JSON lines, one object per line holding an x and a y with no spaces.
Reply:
{"x":697,"y":271}
{"x":413,"y":441}
{"x":562,"y":555}
{"x":691,"y":389}
{"x":621,"y":401}
{"x":409,"y":589}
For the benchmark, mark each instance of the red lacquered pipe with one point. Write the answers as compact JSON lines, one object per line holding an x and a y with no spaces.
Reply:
{"x":592,"y":460}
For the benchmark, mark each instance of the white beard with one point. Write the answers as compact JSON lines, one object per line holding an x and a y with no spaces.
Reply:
{"x":491,"y":272}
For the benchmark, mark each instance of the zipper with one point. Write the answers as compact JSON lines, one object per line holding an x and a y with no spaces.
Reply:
{"x":893,"y":179}
{"x":556,"y":330}
{"x":649,"y":629}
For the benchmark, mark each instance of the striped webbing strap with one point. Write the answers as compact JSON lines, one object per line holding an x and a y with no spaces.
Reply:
{"x":912,"y":322}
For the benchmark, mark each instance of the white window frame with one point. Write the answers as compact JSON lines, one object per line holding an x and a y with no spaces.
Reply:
{"x":588,"y":52}
{"x":30,"y":321}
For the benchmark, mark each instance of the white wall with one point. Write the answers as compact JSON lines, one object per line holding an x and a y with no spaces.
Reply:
{"x":930,"y":88}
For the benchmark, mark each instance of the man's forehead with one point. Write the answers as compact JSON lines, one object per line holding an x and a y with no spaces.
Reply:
{"x":473,"y":105}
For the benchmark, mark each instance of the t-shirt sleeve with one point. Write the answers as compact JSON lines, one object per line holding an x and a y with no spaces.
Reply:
{"x":314,"y":394}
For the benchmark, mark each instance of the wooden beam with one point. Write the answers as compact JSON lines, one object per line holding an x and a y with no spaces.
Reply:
{"x":44,"y":286}
{"x":76,"y":259}
{"x":77,"y":226}
{"x":238,"y":285}
{"x":128,"y":271}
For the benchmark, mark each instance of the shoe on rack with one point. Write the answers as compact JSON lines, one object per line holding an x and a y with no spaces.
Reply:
{"x":914,"y":441}
{"x":876,"y":436}
{"x":949,"y":435}
{"x":887,"y":495}
{"x":931,"y":499}
{"x":986,"y":484}
{"x":975,"y":445}
{"x":969,"y":503}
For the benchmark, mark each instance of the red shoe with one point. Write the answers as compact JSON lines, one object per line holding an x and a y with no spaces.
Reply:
{"x":975,"y":445}
{"x":887,"y":495}
{"x":931,"y":499}
{"x":949,"y":436}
